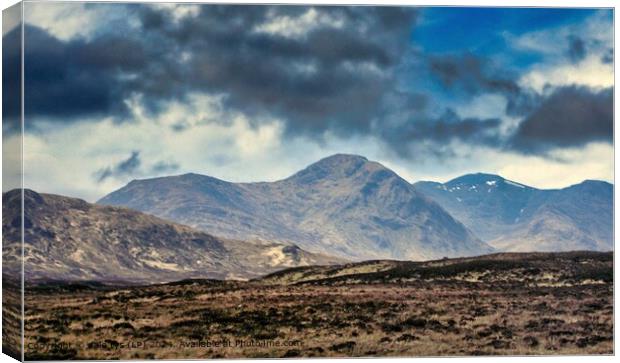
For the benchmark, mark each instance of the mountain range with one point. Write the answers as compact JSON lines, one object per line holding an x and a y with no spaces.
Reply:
{"x":343,"y":205}
{"x":348,"y":206}
{"x":339,"y":209}
{"x":70,"y":239}
{"x":515,"y":217}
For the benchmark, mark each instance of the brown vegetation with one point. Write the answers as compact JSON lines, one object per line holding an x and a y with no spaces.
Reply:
{"x":510,"y":304}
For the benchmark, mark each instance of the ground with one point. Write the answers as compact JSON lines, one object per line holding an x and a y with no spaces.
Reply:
{"x":517,"y":304}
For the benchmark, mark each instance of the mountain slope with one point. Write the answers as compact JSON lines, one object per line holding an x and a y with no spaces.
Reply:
{"x":343,"y":205}
{"x":70,"y":239}
{"x":515,"y":217}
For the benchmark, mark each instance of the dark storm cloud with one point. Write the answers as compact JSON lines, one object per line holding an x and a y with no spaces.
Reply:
{"x":576,"y":49}
{"x":569,"y":117}
{"x":11,"y":81}
{"x":441,"y":131}
{"x":124,"y":168}
{"x":472,"y":75}
{"x":66,"y":80}
{"x":343,"y":74}
{"x":310,"y":81}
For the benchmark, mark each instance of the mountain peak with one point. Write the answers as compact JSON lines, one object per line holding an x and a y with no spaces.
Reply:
{"x":592,"y":186}
{"x":595,"y":182}
{"x":487,"y":180}
{"x":475,"y":178}
{"x":335,"y":166}
{"x":341,"y":160}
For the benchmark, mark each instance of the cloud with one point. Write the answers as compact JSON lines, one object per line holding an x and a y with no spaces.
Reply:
{"x":69,"y":80}
{"x":11,"y":162}
{"x":562,"y":168}
{"x":63,"y":158}
{"x":578,"y":53}
{"x":11,"y":76}
{"x":256,"y":91}
{"x":69,"y":159}
{"x":165,"y":167}
{"x":178,"y":12}
{"x":309,"y":79}
{"x":591,"y":72}
{"x":298,"y":25}
{"x":132,"y":166}
{"x":11,"y":18}
{"x":474,"y":75}
{"x":436,"y":135}
{"x":576,"y":49}
{"x":569,"y":117}
{"x":594,"y":32}
{"x":124,"y":168}
{"x":608,"y":57}
{"x":70,"y":20}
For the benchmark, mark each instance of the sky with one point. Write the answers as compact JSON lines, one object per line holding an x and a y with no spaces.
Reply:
{"x":116,"y":92}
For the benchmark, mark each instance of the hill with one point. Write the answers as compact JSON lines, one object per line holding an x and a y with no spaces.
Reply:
{"x":70,"y":239}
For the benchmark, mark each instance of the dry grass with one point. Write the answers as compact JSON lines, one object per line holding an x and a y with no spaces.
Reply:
{"x":419,"y":317}
{"x":11,"y":319}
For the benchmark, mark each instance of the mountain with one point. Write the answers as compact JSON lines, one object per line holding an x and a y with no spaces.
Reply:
{"x":488,"y":204}
{"x":70,"y":239}
{"x":343,"y":205}
{"x":515,"y":217}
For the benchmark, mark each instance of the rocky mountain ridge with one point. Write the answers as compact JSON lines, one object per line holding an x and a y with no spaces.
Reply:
{"x":343,"y":205}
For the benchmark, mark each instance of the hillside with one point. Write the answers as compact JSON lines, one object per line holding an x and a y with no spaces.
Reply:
{"x":70,"y":239}
{"x":559,"y":268}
